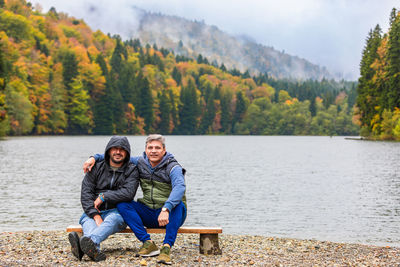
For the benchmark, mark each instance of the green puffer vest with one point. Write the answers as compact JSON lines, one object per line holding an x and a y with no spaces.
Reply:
{"x":156,"y":186}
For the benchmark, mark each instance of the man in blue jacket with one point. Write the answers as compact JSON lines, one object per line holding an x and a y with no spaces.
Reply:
{"x":110,"y":181}
{"x":163,"y":203}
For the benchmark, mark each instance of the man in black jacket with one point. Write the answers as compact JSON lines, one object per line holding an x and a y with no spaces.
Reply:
{"x":111,"y":181}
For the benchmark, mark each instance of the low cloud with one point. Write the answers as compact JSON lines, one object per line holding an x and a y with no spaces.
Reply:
{"x":329,"y":33}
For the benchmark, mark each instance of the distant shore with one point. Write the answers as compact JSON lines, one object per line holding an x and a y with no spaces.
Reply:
{"x":51,"y":248}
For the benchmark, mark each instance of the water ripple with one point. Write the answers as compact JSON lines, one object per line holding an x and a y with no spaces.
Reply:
{"x":305,"y":187}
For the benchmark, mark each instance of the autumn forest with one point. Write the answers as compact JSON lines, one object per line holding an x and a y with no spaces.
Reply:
{"x":57,"y":76}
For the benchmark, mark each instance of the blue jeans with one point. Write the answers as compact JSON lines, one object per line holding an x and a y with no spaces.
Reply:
{"x":112,"y":223}
{"x":138,"y":215}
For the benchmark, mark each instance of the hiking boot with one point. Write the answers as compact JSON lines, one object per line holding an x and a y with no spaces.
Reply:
{"x":165,"y":255}
{"x":90,"y":249}
{"x":76,"y":250}
{"x":148,"y":249}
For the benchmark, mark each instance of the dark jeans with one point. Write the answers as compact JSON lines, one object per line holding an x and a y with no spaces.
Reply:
{"x":138,"y":215}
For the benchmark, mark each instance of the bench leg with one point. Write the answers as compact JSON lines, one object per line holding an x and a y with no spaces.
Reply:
{"x":209,"y":244}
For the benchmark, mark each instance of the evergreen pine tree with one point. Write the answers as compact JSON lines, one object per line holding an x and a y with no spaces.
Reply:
{"x":118,"y":111}
{"x":226,"y":115}
{"x":5,"y":67}
{"x":313,"y":108}
{"x":145,"y":106}
{"x":188,"y":111}
{"x":165,"y":110}
{"x":240,"y":109}
{"x":70,"y":72}
{"x":142,"y":58}
{"x":328,"y":99}
{"x":70,"y":68}
{"x":116,"y":58}
{"x":223,"y":68}
{"x":366,"y":99}
{"x":136,"y":44}
{"x":102,"y":63}
{"x":117,"y":88}
{"x":177,"y":76}
{"x":246,"y":75}
{"x":164,"y":51}
{"x":393,"y":15}
{"x":174,"y":112}
{"x":209,"y":113}
{"x":158,"y":62}
{"x":127,"y":83}
{"x":352,"y":95}
{"x":199,"y":59}
{"x":393,"y":65}
{"x":102,"y":111}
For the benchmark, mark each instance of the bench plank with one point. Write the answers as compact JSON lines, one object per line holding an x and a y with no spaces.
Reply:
{"x":209,"y":244}
{"x":182,"y":230}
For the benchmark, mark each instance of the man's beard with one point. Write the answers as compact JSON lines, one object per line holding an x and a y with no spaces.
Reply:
{"x":117,"y":161}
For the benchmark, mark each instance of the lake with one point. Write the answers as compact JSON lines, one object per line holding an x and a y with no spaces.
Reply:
{"x":285,"y":186}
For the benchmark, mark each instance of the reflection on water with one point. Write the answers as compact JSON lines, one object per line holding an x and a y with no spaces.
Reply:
{"x":303,"y":187}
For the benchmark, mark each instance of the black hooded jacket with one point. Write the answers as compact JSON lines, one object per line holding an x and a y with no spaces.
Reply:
{"x":117,"y":186}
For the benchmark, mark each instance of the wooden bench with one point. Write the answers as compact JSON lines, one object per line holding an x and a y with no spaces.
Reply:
{"x":209,"y":244}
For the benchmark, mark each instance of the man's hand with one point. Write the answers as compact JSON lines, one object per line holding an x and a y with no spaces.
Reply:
{"x":97,"y":218}
{"x":163,"y":218}
{"x":88,"y":165}
{"x":97,"y":203}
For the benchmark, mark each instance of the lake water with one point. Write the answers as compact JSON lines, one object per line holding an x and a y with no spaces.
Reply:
{"x":302,"y":187}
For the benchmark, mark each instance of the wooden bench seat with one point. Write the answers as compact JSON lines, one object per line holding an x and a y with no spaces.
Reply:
{"x":209,"y":244}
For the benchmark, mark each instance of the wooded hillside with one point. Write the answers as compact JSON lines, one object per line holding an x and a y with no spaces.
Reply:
{"x":378,"y":98}
{"x":57,"y":76}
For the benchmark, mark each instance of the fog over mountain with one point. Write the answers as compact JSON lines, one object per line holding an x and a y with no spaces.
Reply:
{"x":191,"y":38}
{"x":328,"y":33}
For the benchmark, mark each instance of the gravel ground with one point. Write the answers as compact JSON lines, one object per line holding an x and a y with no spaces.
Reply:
{"x":51,"y":248}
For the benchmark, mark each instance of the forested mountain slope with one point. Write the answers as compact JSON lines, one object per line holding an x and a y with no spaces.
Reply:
{"x":57,"y":76}
{"x":191,"y":38}
{"x":378,"y":101}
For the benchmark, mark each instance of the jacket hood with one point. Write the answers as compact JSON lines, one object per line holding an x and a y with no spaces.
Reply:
{"x":118,"y":141}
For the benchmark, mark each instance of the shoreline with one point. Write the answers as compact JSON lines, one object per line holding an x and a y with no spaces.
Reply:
{"x":51,"y":248}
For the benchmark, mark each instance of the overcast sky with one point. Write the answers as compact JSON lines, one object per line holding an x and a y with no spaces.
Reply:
{"x":329,"y":33}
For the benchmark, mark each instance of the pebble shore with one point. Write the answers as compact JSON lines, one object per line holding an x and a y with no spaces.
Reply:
{"x":51,"y":248}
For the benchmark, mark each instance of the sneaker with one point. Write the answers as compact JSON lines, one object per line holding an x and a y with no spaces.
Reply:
{"x":90,"y":249}
{"x":165,"y":255}
{"x":75,"y":246}
{"x":148,"y":249}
